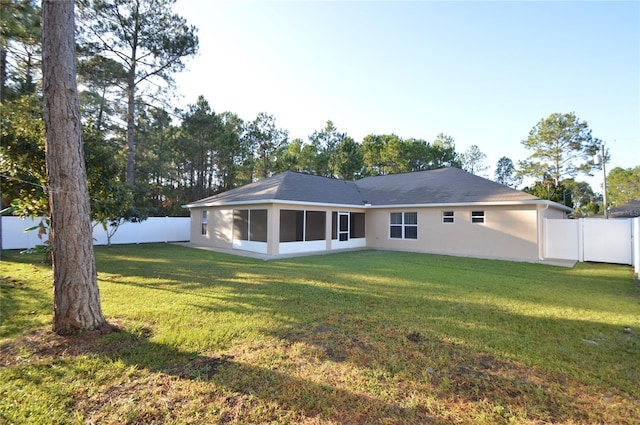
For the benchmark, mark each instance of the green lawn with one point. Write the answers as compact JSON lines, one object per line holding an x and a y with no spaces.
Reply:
{"x":360,"y":337}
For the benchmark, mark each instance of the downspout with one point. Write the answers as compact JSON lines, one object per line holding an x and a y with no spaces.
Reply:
{"x":540,"y":220}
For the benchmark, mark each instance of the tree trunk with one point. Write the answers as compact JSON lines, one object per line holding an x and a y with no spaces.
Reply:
{"x":76,"y":304}
{"x":131,"y":105}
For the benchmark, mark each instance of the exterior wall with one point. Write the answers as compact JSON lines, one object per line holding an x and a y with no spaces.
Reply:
{"x":220,"y":230}
{"x":219,"y":227}
{"x":508,"y":232}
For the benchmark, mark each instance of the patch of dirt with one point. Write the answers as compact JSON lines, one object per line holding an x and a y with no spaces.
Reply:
{"x":202,"y":368}
{"x":46,"y":343}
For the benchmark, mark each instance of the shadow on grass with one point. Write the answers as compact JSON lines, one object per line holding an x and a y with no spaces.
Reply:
{"x":386,"y":331}
{"x":245,"y":387}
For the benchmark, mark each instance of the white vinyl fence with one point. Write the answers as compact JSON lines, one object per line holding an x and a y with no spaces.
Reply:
{"x":606,"y":241}
{"x":153,"y":229}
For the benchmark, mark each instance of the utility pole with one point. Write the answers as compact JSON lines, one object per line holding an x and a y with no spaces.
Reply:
{"x":598,"y":159}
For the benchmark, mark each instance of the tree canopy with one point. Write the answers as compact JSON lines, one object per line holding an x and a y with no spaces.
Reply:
{"x":506,"y":173}
{"x":623,"y":185}
{"x":562,"y":146}
{"x":177,"y":156}
{"x":148,"y":42}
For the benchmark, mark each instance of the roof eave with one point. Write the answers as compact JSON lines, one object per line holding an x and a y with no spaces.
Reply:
{"x":473,"y":204}
{"x":383,"y":206}
{"x":271,"y":201}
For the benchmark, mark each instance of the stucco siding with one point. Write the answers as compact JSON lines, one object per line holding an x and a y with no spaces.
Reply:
{"x":219,"y":227}
{"x":507,"y":232}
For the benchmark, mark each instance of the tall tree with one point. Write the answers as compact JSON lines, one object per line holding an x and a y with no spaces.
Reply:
{"x":348,"y":164}
{"x":231,"y":152}
{"x":22,"y":151}
{"x":147,"y":39}
{"x":19,"y":48}
{"x":418,"y":154}
{"x":506,"y":173}
{"x":325,"y":142}
{"x":623,"y":185}
{"x":562,"y":147}
{"x":103,"y":79}
{"x":583,"y":200}
{"x":19,"y":55}
{"x":196,"y":148}
{"x":443,"y":153}
{"x":473,"y":160}
{"x":265,"y":139}
{"x":76,"y":304}
{"x":383,"y":154}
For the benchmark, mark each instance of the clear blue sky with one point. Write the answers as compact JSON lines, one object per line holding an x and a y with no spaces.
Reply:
{"x":482,"y":72}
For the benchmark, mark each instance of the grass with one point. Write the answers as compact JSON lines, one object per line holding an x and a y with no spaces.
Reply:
{"x":359,"y":337}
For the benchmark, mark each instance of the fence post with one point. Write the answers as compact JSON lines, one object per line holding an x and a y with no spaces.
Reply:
{"x":636,"y":246}
{"x":581,"y":239}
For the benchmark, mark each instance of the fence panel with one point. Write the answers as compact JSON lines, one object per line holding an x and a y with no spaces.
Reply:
{"x":154,"y":229}
{"x":562,"y":239}
{"x":636,"y":245}
{"x":14,"y":236}
{"x":599,"y":240}
{"x":608,"y":241}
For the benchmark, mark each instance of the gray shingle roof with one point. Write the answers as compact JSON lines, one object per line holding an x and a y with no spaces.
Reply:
{"x":289,"y":186}
{"x":442,"y":186}
{"x":628,"y":210}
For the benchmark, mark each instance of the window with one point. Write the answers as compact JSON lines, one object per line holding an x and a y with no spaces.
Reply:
{"x":448,"y":217}
{"x":477,"y":217}
{"x":403,"y":225}
{"x":203,"y":229}
{"x":250,"y":225}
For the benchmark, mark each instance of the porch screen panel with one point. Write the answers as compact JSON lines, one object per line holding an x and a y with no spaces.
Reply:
{"x":241,"y":225}
{"x":291,"y":225}
{"x":357,"y":225}
{"x":334,"y":225}
{"x":258,"y":225}
{"x":343,"y":227}
{"x":315,"y":226}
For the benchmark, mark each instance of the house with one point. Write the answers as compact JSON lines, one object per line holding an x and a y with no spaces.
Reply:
{"x":629,"y":210}
{"x":443,"y":211}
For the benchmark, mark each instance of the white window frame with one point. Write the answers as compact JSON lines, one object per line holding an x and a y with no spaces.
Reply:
{"x":478,"y":217}
{"x":403,"y":225}
{"x":203,"y":223}
{"x":448,"y":217}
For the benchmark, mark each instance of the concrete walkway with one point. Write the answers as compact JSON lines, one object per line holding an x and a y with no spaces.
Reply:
{"x":559,"y":262}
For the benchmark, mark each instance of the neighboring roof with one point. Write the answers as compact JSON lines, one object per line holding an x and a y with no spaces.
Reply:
{"x":441,"y":186}
{"x":628,"y":210}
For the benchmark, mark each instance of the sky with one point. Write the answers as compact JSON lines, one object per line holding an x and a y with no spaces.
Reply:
{"x":484,"y":73}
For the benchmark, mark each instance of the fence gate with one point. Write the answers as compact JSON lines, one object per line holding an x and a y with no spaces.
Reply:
{"x":600,"y":240}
